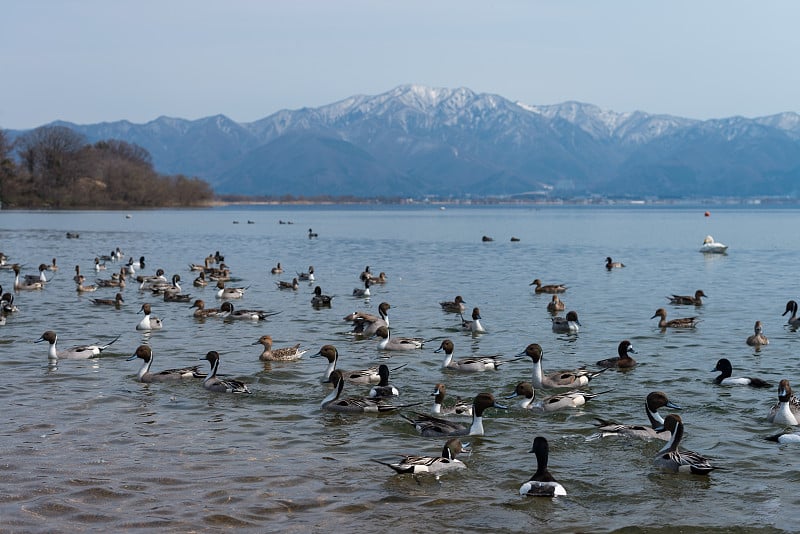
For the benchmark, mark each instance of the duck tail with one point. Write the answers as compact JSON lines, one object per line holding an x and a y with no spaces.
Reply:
{"x":398,"y":468}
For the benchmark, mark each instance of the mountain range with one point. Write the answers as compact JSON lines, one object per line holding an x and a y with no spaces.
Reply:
{"x":414,"y":141}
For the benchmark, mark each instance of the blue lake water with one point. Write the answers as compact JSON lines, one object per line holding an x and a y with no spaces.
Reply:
{"x":86,"y":447}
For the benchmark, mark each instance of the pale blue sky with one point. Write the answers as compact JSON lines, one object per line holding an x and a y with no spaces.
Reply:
{"x":105,"y":60}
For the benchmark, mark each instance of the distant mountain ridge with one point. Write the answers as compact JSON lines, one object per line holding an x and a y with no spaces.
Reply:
{"x":416,"y":140}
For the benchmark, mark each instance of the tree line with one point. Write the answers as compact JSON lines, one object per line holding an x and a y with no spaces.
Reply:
{"x":55,"y":167}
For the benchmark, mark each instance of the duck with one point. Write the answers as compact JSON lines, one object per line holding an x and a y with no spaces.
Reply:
{"x":696,"y":300}
{"x":79,"y":352}
{"x":202,"y":312}
{"x":365,"y":275}
{"x":623,"y":359}
{"x":116,"y":301}
{"x":307,"y":276}
{"x":7,"y":306}
{"x":542,"y":483}
{"x":793,"y":321}
{"x":656,"y":430}
{"x":470,"y":364}
{"x":166,"y":287}
{"x":150,"y":281}
{"x":20,"y":285}
{"x":785,"y":437}
{"x":221,"y":385}
{"x":169,"y":296}
{"x":117,"y":280}
{"x":758,"y":338}
{"x":145,"y":375}
{"x":319,"y":300}
{"x":435,"y":465}
{"x":277,"y":269}
{"x":282,"y":354}
{"x":361,"y":376}
{"x":561,"y":379}
{"x":384,"y":388}
{"x":74,"y":278}
{"x":52,"y":266}
{"x":566,"y":325}
{"x":725,"y":379}
{"x":334,"y":402}
{"x":430,"y":426}
{"x":255,"y":315}
{"x":671,"y":458}
{"x":380,"y":279}
{"x":683,"y":322}
{"x":550,"y":288}
{"x":312,"y":234}
{"x":361,"y":292}
{"x":610,"y":264}
{"x":200,"y":281}
{"x":556,"y":305}
{"x":99,"y":266}
{"x":552,"y":403}
{"x":81,"y":288}
{"x":294,"y":284}
{"x":787,"y":410}
{"x":397,"y":343}
{"x":229,"y":292}
{"x":454,"y":306}
{"x":460,"y":407}
{"x":148,"y":322}
{"x":366,"y":324}
{"x":474,"y":325}
{"x":41,"y":277}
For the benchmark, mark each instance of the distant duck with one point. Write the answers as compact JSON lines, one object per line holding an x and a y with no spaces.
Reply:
{"x":430,"y":426}
{"x":683,"y":322}
{"x":221,"y":385}
{"x":725,"y":369}
{"x":99,"y":266}
{"x":454,"y":306}
{"x":362,"y":292}
{"x":283,"y":354}
{"x":312,"y":234}
{"x":380,"y":279}
{"x":397,"y":343}
{"x":253,"y":315}
{"x":623,"y":359}
{"x":542,"y":483}
{"x":384,"y":388}
{"x":116,"y":301}
{"x":366,"y":324}
{"x":758,"y":338}
{"x":474,"y":325}
{"x":460,"y":407}
{"x":170,"y":296}
{"x":793,"y":321}
{"x":365,"y":275}
{"x":229,"y":292}
{"x":334,"y":402}
{"x":560,"y":379}
{"x":566,"y":325}
{"x":556,"y":305}
{"x":435,"y":465}
{"x":470,"y":364}
{"x":550,"y":288}
{"x":787,"y":410}
{"x":145,"y":375}
{"x":671,"y":458}
{"x":80,"y":352}
{"x":52,"y":266}
{"x":41,"y":277}
{"x":294,"y":284}
{"x":696,"y":300}
{"x":610,"y":264}
{"x":487,"y":239}
{"x":25,"y":285}
{"x":116,"y":280}
{"x":713,"y":247}
{"x":202,"y":312}
{"x":560,"y":401}
{"x":307,"y":276}
{"x":370,"y":375}
{"x":653,"y":401}
{"x":201,"y":280}
{"x":319,"y":300}
{"x":148,"y":322}
{"x":277,"y":269}
{"x":81,"y":288}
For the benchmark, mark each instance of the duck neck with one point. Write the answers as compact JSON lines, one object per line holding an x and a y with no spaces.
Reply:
{"x":328,"y":370}
{"x":537,"y":374}
{"x":477,"y":424}
{"x":655,"y":418}
{"x":52,"y":354}
{"x":212,"y":375}
{"x":333,"y":395}
{"x":448,"y":359}
{"x":145,"y":368}
{"x":674,"y":439}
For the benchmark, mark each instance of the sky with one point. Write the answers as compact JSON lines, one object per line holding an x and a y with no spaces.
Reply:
{"x":89,"y":61}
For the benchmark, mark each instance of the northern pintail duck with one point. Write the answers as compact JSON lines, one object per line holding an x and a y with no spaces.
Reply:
{"x":397,"y":343}
{"x":170,"y":296}
{"x":380,"y":279}
{"x":787,"y":409}
{"x":41,"y":277}
{"x":319,"y":300}
{"x":550,"y":288}
{"x":556,"y":305}
{"x":474,"y":325}
{"x":229,"y":292}
{"x":725,"y":379}
{"x":366,"y":324}
{"x":361,"y":376}
{"x":362,"y":292}
{"x":435,"y":465}
{"x":200,"y":281}
{"x":52,"y":266}
{"x":365,"y":275}
{"x":7,"y":305}
{"x":150,"y":281}
{"x":294,"y":284}
{"x":470,"y":364}
{"x":334,"y":402}
{"x":682,"y":322}
{"x":222,"y":385}
{"x":758,"y":338}
{"x":277,"y":269}
{"x":202,"y":312}
{"x":148,"y":322}
{"x":671,"y":458}
{"x":384,"y":388}
{"x":116,"y":301}
{"x":99,"y":266}
{"x":542,"y":483}
{"x":611,"y":264}
{"x":623,"y":359}
{"x":307,"y":276}
{"x":77,"y":273}
{"x":312,"y":234}
{"x":24,"y":285}
{"x":454,"y":306}
{"x":793,"y":321}
{"x":561,"y":379}
{"x":167,"y":287}
{"x":82,"y":288}
{"x":566,"y":325}
{"x":80,"y":352}
{"x":145,"y":375}
{"x":430,"y":426}
{"x":696,"y":300}
{"x":282,"y":354}
{"x":656,"y":430}
{"x":254,"y":315}
{"x":460,"y":407}
{"x":785,"y":437}
{"x":551,"y":403}
{"x":116,"y":280}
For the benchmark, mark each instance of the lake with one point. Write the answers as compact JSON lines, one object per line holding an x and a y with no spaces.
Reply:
{"x":87,"y":447}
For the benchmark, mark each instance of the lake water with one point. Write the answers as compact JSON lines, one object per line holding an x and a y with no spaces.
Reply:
{"x":87,"y":447}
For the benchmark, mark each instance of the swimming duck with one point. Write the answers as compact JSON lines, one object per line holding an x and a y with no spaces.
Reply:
{"x":380,"y":279}
{"x":282,"y":354}
{"x":430,"y":426}
{"x":7,"y":305}
{"x":319,"y":300}
{"x":99,"y":266}
{"x":787,"y":410}
{"x":362,"y":291}
{"x":397,"y":343}
{"x":312,"y":234}
{"x":384,"y":388}
{"x":145,"y":375}
{"x":567,"y":325}
{"x":785,"y":437}
{"x":41,"y":277}
{"x":610,"y":264}
{"x":683,"y":322}
{"x":334,"y":402}
{"x":561,"y":379}
{"x":202,"y":312}
{"x":80,"y":352}
{"x":177,"y":297}
{"x":556,"y":305}
{"x":474,"y":325}
{"x":166,"y":287}
{"x":150,"y":281}
{"x":696,"y":300}
{"x":255,"y":315}
{"x":470,"y":364}
{"x":656,"y":430}
{"x":725,"y":379}
{"x":623,"y":359}
{"x":362,"y":376}
{"x":550,"y":288}
{"x":758,"y":338}
{"x":277,"y":269}
{"x":294,"y":284}
{"x":671,"y":458}
{"x":542,"y":483}
{"x":366,"y":324}
{"x":24,"y":285}
{"x":460,"y":407}
{"x":52,"y":266}
{"x":200,"y":281}
{"x":148,"y":322}
{"x":365,"y":275}
{"x":307,"y":276}
{"x":116,"y":301}
{"x":222,"y":385}
{"x":81,"y":288}
{"x":552,"y":403}
{"x":432,"y":464}
{"x":713,"y":247}
{"x":454,"y":306}
{"x":793,"y":321}
{"x":229,"y":292}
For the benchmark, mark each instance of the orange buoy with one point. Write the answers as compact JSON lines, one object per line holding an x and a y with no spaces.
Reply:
{"x":708,"y":214}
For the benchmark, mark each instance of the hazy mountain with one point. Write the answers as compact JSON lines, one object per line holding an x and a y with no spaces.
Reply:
{"x":416,"y":140}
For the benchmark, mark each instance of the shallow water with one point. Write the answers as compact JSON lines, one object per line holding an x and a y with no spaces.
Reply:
{"x":86,"y":447}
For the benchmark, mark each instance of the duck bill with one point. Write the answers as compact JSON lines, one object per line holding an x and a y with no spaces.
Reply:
{"x":673,"y":406}
{"x":500,"y":406}
{"x":133,"y":357}
{"x":515,"y":394}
